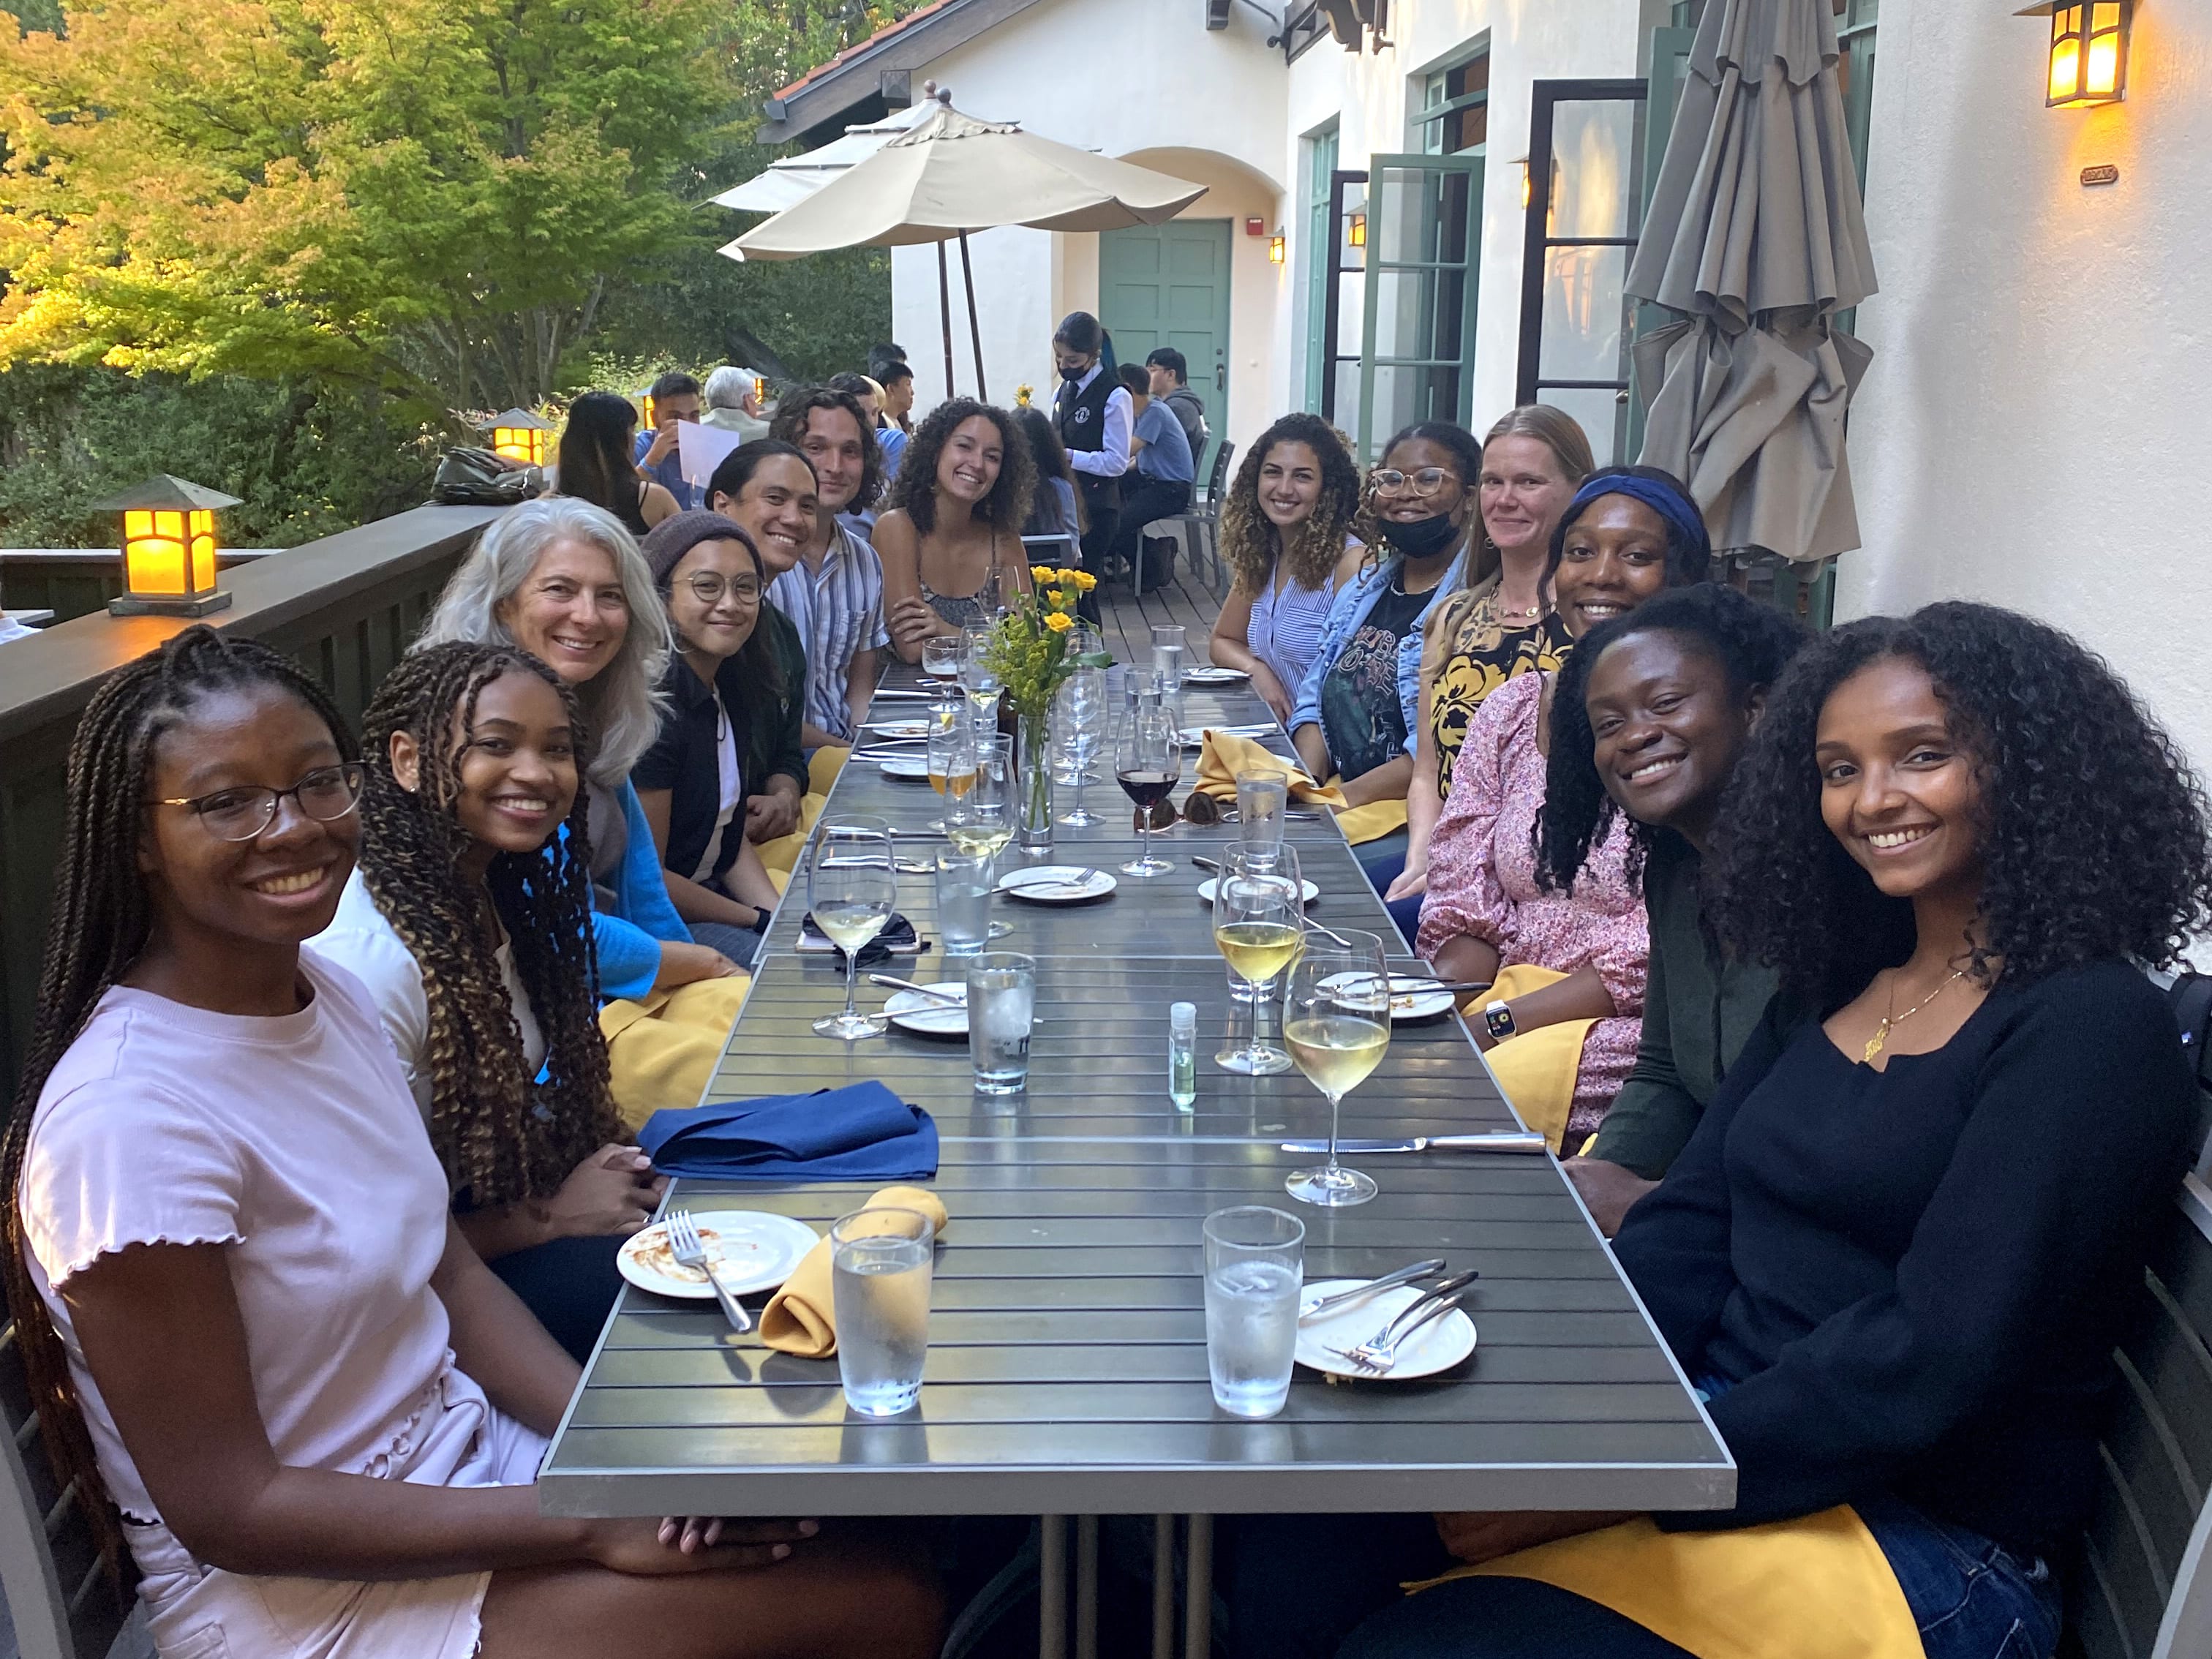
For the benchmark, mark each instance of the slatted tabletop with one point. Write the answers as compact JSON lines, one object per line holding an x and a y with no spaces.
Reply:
{"x":1066,"y":1369}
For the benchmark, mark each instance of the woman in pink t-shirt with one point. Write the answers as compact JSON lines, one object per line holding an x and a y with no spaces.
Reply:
{"x":317,"y":1411}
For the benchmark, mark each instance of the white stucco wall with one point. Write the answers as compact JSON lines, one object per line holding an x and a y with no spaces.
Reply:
{"x":2039,"y":414}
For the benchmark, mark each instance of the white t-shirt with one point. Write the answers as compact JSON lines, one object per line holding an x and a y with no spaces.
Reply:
{"x":729,"y":778}
{"x":291,"y":1141}
{"x":360,"y":940}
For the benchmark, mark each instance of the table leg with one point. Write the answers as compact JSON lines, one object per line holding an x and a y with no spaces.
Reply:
{"x":1163,"y":1558}
{"x":1198,"y":1602}
{"x":1086,"y":1587}
{"x":1052,"y":1587}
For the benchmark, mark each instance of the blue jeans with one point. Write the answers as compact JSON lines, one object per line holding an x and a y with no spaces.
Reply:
{"x":1381,"y":872}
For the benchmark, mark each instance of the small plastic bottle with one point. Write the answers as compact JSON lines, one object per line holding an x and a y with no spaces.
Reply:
{"x":1182,"y":1056}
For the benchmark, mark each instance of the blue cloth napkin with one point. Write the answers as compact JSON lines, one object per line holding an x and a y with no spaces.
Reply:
{"x":860,"y":1133}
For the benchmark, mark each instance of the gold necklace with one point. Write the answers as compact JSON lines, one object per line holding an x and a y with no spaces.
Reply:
{"x":1881,"y":1037}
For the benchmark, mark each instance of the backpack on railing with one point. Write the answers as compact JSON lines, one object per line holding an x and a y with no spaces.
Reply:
{"x":478,"y":478}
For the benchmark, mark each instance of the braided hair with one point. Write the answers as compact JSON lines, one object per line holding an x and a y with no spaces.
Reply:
{"x":99,"y":926}
{"x":1751,"y":642}
{"x":501,"y":1136}
{"x":1249,"y":540}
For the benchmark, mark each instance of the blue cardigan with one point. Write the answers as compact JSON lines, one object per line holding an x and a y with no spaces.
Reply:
{"x":630,"y":936}
{"x":1349,"y":609}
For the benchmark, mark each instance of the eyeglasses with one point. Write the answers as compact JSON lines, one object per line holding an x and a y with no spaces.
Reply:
{"x":709,"y":589}
{"x":327,"y":793}
{"x":1429,"y":481}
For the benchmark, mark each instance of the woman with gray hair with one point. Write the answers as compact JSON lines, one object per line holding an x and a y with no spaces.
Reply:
{"x":564,"y":580}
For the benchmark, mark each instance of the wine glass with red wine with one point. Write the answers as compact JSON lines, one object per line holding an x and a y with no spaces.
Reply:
{"x":1148,"y":764}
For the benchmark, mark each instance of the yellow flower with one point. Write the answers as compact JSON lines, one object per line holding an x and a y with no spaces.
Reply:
{"x":1041,"y":574}
{"x":1055,"y":596}
{"x":1084,"y":581}
{"x":1067,"y":576}
{"x":1059,"y":621}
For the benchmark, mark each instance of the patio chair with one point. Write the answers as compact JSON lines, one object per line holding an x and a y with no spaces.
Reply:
{"x":1196,"y":533}
{"x":50,"y":1567}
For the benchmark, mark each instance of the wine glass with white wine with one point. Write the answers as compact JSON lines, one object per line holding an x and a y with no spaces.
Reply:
{"x":980,"y":819}
{"x":1336,"y":1023}
{"x":852,"y":890}
{"x":1259,"y":928}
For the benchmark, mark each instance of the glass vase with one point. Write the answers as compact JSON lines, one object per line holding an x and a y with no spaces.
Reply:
{"x":1035,"y":762}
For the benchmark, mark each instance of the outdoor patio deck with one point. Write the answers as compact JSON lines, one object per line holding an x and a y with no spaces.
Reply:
{"x":1129,"y":618}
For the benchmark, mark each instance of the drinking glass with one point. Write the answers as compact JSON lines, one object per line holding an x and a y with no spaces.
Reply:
{"x":851,"y":888}
{"x":952,"y":753}
{"x":1259,"y":928}
{"x":1255,"y":1269}
{"x":1261,"y":801}
{"x":1079,"y":722}
{"x":965,"y":881}
{"x":977,"y":677}
{"x":940,"y":657}
{"x":1336,"y":1020}
{"x":1001,"y":1006}
{"x":879,"y":1262}
{"x":1148,"y":764}
{"x":981,"y":820}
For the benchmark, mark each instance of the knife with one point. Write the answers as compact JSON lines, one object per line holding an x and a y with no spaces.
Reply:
{"x":1519,"y":1141}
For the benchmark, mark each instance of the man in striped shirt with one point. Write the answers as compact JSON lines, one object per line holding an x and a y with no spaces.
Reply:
{"x":835,"y":594}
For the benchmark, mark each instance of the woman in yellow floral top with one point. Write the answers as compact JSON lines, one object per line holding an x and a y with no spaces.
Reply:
{"x":1500,"y":625}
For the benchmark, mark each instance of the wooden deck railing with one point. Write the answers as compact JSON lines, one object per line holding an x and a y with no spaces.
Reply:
{"x":346,"y":606}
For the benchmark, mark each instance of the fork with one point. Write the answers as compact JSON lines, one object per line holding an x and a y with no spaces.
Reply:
{"x":1435,"y":1292}
{"x":1374,"y":1359}
{"x":684,"y":1243}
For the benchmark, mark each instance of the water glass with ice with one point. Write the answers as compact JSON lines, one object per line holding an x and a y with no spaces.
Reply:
{"x":1001,"y":1006}
{"x":1255,"y":1268}
{"x":1261,"y":798}
{"x":964,"y":882}
{"x":879,"y":1287}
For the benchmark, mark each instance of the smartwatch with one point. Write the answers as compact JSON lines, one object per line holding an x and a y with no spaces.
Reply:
{"x":1497,"y":1020}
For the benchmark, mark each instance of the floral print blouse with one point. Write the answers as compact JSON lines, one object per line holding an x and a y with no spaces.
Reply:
{"x":1469,"y":654}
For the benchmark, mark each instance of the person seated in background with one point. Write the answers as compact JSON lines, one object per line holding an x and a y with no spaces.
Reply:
{"x":835,"y":594}
{"x":950,"y":537}
{"x":565,"y":582}
{"x":594,"y":464}
{"x":1285,"y":533}
{"x":767,"y":489}
{"x":1168,"y":381}
{"x":1162,"y":486}
{"x":655,"y":454}
{"x":1567,"y":967}
{"x":1055,"y":509}
{"x":1899,"y":1249}
{"x":248,"y":1317}
{"x":733,"y":404}
{"x":1653,"y":712}
{"x":467,"y":919}
{"x":691,"y":782}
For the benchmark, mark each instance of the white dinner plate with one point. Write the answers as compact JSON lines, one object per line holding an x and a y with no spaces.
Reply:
{"x":1206,"y":891}
{"x":925,"y":1015}
{"x":1206,"y":674}
{"x":752,"y":1251}
{"x":899,"y":728}
{"x":906,"y":766}
{"x":1411,"y":999}
{"x":1056,"y":883}
{"x":1436,"y":1347}
{"x":1193,"y":737}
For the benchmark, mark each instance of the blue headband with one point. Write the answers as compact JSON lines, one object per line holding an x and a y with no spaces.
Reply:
{"x":1686,"y":526}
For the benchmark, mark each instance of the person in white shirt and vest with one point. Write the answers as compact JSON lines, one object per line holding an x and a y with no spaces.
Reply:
{"x":1094,"y":417}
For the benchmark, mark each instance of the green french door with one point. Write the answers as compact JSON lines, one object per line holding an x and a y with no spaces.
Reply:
{"x":1424,"y":236}
{"x":1168,"y":285}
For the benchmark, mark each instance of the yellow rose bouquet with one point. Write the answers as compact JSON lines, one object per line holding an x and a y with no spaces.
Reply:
{"x":1032,"y":651}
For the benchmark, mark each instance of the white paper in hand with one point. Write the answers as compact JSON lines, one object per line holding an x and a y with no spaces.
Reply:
{"x":700,"y":450}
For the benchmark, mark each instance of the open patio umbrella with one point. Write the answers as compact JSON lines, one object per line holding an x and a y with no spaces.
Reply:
{"x":952,"y":174}
{"x":1756,"y":235}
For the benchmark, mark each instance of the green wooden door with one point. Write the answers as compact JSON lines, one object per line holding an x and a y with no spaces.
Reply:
{"x":1168,"y":285}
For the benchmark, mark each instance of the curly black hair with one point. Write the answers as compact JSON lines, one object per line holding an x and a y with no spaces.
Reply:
{"x":2094,"y":833}
{"x":1752,"y":643}
{"x":797,"y":406}
{"x":914,"y":491}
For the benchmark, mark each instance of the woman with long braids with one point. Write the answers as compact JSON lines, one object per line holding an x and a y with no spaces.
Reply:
{"x":469,"y":919}
{"x":249,"y":1323}
{"x":1900,"y":1248}
{"x":1286,"y":535}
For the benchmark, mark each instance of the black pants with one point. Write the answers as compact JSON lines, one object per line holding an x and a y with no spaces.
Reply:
{"x":1098,"y":543}
{"x":570,"y":1284}
{"x":1141,"y":502}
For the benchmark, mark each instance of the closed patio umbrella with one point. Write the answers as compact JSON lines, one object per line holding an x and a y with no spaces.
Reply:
{"x":952,"y":174}
{"x":786,"y":183}
{"x":1756,"y":234}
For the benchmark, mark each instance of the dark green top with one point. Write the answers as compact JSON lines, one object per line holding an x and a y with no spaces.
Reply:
{"x":1699,"y":1008}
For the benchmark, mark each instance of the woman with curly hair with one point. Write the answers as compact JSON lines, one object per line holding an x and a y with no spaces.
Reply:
{"x":255,"y":1338}
{"x":1900,"y":1248}
{"x":1287,"y":533}
{"x":1652,"y":713}
{"x":951,"y":537}
{"x":469,"y":919}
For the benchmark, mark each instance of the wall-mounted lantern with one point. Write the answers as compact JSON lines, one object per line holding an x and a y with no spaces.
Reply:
{"x":2088,"y":57}
{"x":1278,"y":248}
{"x":1523,"y":165}
{"x":1356,"y":232}
{"x":168,"y":548}
{"x":519,"y":436}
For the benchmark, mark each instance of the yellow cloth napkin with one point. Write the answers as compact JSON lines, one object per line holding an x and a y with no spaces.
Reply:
{"x":1537,"y":1069}
{"x":1225,"y":756}
{"x":801,"y":1318}
{"x":661,"y":1050}
{"x":1818,"y":1587}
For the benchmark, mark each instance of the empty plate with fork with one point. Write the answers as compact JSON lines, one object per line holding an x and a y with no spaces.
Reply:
{"x":1437,"y":1345}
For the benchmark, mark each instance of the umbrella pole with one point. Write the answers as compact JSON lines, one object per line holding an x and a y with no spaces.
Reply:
{"x":945,"y":311}
{"x":975,"y":328}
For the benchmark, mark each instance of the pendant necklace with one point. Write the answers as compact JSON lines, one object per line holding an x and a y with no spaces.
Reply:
{"x":1881,"y":1037}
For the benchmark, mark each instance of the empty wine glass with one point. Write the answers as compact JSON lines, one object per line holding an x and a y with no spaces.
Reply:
{"x":852,"y":890}
{"x":977,"y":677}
{"x":1336,"y":1021}
{"x":1259,"y":928}
{"x":1078,"y":716}
{"x":1147,"y":764}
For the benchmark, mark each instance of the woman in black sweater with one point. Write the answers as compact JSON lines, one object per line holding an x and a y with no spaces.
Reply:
{"x":1898,"y":1250}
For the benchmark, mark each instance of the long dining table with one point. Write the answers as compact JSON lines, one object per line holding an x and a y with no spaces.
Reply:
{"x":1066,"y":1371}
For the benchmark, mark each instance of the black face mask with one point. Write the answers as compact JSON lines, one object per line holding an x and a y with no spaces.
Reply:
{"x":1072,"y":375}
{"x":1420,"y":538}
